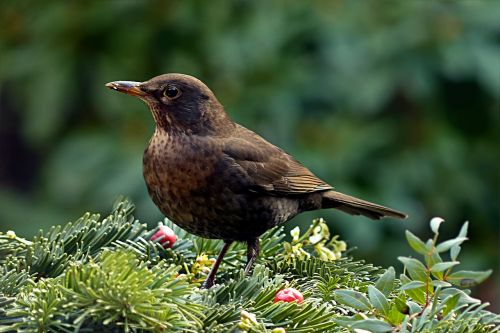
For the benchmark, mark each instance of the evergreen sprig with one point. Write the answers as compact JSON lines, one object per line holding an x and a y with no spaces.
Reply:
{"x":108,"y":276}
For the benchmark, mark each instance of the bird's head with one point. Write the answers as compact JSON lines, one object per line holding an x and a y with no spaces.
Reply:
{"x":178,"y":102}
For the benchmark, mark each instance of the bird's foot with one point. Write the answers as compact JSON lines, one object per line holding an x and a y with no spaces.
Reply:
{"x":252,"y":253}
{"x":248,"y":267}
{"x":208,"y":283}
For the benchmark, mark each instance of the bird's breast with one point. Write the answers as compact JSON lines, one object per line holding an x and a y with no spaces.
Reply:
{"x":200,"y":189}
{"x":179,"y":175}
{"x":178,"y":164}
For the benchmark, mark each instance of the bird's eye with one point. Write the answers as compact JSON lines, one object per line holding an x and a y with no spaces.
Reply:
{"x":171,"y":92}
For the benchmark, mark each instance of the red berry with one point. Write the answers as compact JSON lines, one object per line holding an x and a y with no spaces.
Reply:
{"x":289,"y":295}
{"x":165,"y":236}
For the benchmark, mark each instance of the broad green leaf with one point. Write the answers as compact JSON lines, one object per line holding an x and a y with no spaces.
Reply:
{"x":464,"y":295}
{"x":450,"y":304}
{"x":415,"y":268}
{"x":353,"y":299}
{"x":455,"y":249}
{"x":417,"y":294}
{"x":346,"y":321}
{"x":413,"y":285}
{"x":385,"y":282}
{"x":373,"y":325}
{"x":432,"y":260}
{"x":468,"y":279}
{"x":395,"y":316}
{"x":446,"y":245}
{"x":416,"y":243}
{"x":400,"y":304}
{"x":454,"y":252}
{"x":378,"y":300}
{"x":443,"y":266}
{"x":439,"y":283}
{"x":414,"y":307}
{"x":435,"y":222}
{"x":464,"y":229}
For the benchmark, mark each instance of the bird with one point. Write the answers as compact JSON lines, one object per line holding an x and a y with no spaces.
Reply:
{"x":217,"y":179}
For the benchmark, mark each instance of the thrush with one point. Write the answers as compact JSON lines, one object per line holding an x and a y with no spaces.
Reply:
{"x":217,"y":179}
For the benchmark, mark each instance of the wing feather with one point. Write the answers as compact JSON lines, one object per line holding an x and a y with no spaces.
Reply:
{"x":270,"y":169}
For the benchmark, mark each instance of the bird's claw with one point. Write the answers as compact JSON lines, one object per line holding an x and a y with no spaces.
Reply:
{"x":207,"y":284}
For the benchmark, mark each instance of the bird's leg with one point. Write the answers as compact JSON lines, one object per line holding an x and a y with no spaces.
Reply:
{"x":209,"y":282}
{"x":252,"y":253}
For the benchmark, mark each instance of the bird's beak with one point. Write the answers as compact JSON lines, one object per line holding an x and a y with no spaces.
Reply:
{"x":128,"y":87}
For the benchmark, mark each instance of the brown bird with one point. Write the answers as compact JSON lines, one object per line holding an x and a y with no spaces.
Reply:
{"x":217,"y":179}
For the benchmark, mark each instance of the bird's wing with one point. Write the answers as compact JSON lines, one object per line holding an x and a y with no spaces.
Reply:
{"x":270,"y":169}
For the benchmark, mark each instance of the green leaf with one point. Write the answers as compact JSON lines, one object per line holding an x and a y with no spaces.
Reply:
{"x":415,"y":268}
{"x":378,"y":300}
{"x":413,"y":285}
{"x":353,"y":299}
{"x":435,"y":223}
{"x":416,"y":243}
{"x":455,"y":249}
{"x":417,"y":294}
{"x":454,"y":252}
{"x":439,"y":283}
{"x":385,"y":282}
{"x":468,"y":279}
{"x":347,"y":321}
{"x":414,"y":307}
{"x":464,"y":295}
{"x":443,"y":266}
{"x":450,"y":304}
{"x":395,"y":316}
{"x":446,"y":245}
{"x":372,"y":325}
{"x":400,"y":304}
{"x":433,"y":259}
{"x":464,"y":229}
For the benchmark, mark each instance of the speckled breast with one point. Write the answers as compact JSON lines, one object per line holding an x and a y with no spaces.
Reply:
{"x":195,"y":189}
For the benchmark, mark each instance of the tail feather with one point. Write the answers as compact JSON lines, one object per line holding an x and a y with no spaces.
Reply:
{"x":355,"y":206}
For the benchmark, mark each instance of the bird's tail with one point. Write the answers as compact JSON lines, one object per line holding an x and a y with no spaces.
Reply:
{"x":355,"y":206}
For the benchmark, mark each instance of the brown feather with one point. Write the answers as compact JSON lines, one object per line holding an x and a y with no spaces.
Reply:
{"x":272,"y":169}
{"x":356,"y":206}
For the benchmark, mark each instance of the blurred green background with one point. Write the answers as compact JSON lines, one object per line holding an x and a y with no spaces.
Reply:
{"x":393,"y":101}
